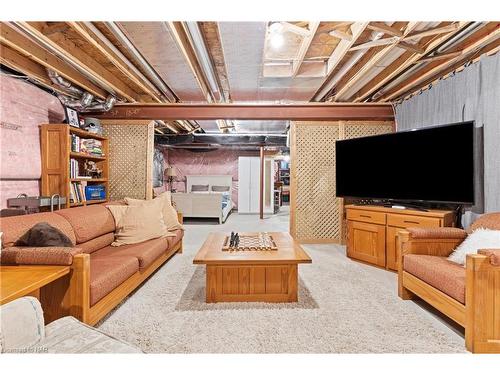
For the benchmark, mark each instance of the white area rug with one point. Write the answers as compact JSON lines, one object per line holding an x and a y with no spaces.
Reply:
{"x":344,"y":307}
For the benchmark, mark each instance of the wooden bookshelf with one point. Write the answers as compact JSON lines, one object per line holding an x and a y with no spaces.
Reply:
{"x":56,"y":156}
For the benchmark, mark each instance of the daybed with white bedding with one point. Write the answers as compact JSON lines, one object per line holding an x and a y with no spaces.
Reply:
{"x":207,"y":196}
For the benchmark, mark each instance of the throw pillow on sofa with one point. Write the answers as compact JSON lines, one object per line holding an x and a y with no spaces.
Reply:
{"x":136,"y":224}
{"x":44,"y":235}
{"x":478,"y":240}
{"x":169,"y":213}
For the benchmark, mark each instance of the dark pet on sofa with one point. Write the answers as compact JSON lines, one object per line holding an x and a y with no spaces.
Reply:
{"x":44,"y":235}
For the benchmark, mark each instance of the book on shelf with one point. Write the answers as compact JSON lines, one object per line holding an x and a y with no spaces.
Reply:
{"x":77,"y":192}
{"x":86,"y":146}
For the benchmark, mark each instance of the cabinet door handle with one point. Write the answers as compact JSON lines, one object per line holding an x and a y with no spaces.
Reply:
{"x":368,"y":216}
{"x":411,"y":222}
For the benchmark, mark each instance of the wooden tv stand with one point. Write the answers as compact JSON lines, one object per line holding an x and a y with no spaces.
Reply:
{"x":372,"y":230}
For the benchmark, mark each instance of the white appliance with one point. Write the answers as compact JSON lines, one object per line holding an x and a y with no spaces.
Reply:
{"x":249,"y":185}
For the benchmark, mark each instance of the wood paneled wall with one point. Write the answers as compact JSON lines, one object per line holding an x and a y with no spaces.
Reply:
{"x":131,"y":149}
{"x":315,"y":211}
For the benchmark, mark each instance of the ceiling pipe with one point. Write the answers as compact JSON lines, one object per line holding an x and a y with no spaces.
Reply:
{"x":455,"y":39}
{"x":122,"y":57}
{"x":152,"y":74}
{"x":51,"y":49}
{"x":204,"y":58}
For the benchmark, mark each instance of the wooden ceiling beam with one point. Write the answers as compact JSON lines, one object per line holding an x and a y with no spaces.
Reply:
{"x":310,"y":111}
{"x":375,"y":60}
{"x":65,"y":47}
{"x":402,"y":63}
{"x":88,"y":35}
{"x":287,"y":26}
{"x":24,"y":65}
{"x":415,"y":48}
{"x":458,"y":66}
{"x":433,"y":31}
{"x":344,"y":46}
{"x":439,"y":56}
{"x":375,"y":43}
{"x":304,"y":47}
{"x":340,"y":35}
{"x":386,"y":29}
{"x":26,"y":47}
{"x":416,"y":79}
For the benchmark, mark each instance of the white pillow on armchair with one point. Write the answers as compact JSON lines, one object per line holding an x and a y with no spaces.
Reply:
{"x":478,"y":240}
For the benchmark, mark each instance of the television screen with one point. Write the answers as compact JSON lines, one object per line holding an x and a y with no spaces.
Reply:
{"x":433,"y":164}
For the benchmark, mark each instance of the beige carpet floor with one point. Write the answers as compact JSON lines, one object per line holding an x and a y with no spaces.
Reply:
{"x":344,"y":307}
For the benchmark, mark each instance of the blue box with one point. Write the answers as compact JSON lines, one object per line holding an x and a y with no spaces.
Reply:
{"x":95,"y":192}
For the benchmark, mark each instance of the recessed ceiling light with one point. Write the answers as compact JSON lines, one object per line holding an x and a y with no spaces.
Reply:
{"x":277,"y":40}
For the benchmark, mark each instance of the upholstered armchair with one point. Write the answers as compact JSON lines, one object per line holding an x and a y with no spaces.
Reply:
{"x":23,"y":331}
{"x":470,"y":296}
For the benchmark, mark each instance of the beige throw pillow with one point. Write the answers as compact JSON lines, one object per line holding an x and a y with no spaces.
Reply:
{"x":136,"y":224}
{"x":165,"y":201}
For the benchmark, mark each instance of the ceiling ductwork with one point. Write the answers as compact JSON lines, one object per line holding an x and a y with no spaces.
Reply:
{"x":85,"y":101}
{"x":222,"y":139}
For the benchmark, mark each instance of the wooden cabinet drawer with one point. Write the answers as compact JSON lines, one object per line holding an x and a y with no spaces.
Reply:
{"x":406,"y":221}
{"x":366,"y":216}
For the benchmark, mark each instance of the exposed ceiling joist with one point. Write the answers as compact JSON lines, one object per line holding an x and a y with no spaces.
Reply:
{"x":304,"y":47}
{"x":386,"y":29}
{"x":411,"y":47}
{"x":340,"y":35}
{"x":375,"y":43}
{"x":80,"y":59}
{"x":433,"y":31}
{"x":24,"y":65}
{"x":439,"y":56}
{"x":372,"y":62}
{"x":98,"y":41}
{"x":344,"y":46}
{"x":402,"y":63}
{"x":287,"y":26}
{"x":25,"y":46}
{"x":421,"y":76}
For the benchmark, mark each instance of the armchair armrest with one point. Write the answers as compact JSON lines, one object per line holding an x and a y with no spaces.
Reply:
{"x":22,"y":325}
{"x":62,"y":256}
{"x":430,"y":241}
{"x":437,"y":233}
{"x":493,"y":254}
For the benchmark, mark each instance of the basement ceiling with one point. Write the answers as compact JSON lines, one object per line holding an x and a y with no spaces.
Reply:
{"x":254,"y":62}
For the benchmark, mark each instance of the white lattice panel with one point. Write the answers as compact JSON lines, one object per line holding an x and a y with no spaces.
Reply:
{"x":316,"y":211}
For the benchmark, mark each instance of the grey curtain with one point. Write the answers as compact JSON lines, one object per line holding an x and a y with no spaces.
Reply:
{"x":158,"y":168}
{"x":472,"y":94}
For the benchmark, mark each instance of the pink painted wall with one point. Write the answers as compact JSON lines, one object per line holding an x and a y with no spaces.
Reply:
{"x":23,"y":107}
{"x":223,"y":162}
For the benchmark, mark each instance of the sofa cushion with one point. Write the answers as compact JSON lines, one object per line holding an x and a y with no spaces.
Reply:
{"x":145,"y":252}
{"x":89,"y":222}
{"x":172,"y":241}
{"x":97,"y":243}
{"x":14,"y":227}
{"x":108,"y":272}
{"x":439,"y":272}
{"x":169,"y":213}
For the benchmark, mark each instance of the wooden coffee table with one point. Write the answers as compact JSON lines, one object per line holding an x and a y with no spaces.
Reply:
{"x":251,"y":276}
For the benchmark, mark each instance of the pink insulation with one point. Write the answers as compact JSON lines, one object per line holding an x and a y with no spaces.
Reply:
{"x":23,"y":107}
{"x":216,"y":162}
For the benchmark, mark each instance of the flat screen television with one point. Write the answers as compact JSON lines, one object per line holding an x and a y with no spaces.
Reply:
{"x":434,"y":164}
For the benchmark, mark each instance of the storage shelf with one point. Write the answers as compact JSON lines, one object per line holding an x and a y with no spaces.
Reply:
{"x":86,"y":134}
{"x":89,"y":179}
{"x":86,"y":156}
{"x":86,"y":203}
